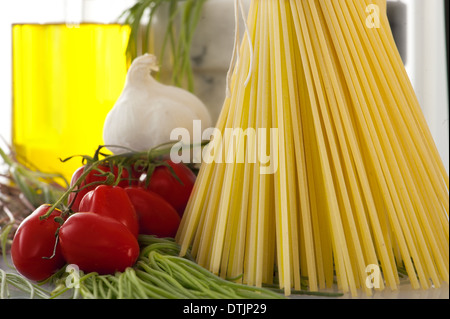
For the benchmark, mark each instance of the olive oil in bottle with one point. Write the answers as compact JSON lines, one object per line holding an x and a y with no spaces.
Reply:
{"x":66,"y":78}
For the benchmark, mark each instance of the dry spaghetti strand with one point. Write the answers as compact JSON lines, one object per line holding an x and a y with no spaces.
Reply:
{"x":357,"y":179}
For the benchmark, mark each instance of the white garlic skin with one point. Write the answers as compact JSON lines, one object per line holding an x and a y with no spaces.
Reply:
{"x":147,"y":111}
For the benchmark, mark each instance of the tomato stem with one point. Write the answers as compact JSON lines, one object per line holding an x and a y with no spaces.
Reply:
{"x":147,"y":160}
{"x":54,"y":247}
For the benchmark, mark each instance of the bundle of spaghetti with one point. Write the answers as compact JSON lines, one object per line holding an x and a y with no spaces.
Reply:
{"x":321,"y":168}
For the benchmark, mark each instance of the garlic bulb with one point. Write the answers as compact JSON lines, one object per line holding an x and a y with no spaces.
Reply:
{"x":147,"y":111}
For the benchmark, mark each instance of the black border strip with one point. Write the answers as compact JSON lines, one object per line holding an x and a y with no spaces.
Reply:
{"x":447,"y":31}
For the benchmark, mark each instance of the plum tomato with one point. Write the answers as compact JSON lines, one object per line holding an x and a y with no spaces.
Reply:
{"x":93,"y":177}
{"x":33,"y":244}
{"x":168,"y":187}
{"x":156,"y":216}
{"x":111,"y":201}
{"x":97,"y":243}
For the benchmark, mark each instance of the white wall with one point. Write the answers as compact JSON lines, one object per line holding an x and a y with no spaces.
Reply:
{"x":427,"y":66}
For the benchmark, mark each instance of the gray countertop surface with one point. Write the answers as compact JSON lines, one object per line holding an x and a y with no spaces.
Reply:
{"x":404,"y":291}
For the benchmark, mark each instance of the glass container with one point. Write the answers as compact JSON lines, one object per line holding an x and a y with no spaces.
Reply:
{"x":68,"y":68}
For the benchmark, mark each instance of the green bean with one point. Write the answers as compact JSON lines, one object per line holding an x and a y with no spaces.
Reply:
{"x":197,"y":270}
{"x":94,"y":288}
{"x":161,"y":272}
{"x":108,"y":283}
{"x":152,"y":290}
{"x":133,"y":279}
{"x":4,"y":287}
{"x":105,"y":294}
{"x":105,"y":288}
{"x":86,"y":293}
{"x":120,"y":288}
{"x":20,"y":283}
{"x":167,"y":282}
{"x":192,"y":279}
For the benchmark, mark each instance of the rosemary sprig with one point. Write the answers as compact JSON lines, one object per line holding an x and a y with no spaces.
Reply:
{"x":177,"y":39}
{"x":37,"y":187}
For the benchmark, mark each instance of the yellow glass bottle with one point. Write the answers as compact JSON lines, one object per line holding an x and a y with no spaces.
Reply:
{"x":66,"y":78}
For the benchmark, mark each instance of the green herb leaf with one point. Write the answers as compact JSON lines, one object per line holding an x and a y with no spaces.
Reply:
{"x":188,"y":12}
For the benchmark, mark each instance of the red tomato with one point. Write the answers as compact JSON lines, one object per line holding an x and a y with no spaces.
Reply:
{"x":92,"y":177}
{"x":97,"y":243}
{"x":111,"y":201}
{"x":33,"y":242}
{"x":156,"y":216}
{"x":168,"y":187}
